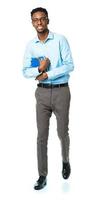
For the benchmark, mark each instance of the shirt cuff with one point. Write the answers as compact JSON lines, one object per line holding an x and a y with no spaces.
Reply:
{"x":50,"y":75}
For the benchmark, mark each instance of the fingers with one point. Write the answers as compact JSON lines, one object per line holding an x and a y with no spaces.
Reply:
{"x":42,"y":77}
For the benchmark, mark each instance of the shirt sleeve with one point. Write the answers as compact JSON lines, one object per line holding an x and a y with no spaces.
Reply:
{"x":28,"y":71}
{"x":67,"y":61}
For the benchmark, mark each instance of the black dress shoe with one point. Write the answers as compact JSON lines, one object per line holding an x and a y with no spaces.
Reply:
{"x":41,"y":183}
{"x":66,"y":170}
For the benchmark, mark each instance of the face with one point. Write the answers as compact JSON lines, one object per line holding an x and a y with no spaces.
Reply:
{"x":40,"y":22}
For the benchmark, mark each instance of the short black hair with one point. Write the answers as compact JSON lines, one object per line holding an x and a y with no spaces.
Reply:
{"x":39,"y":9}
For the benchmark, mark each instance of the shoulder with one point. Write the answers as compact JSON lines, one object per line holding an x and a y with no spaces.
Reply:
{"x":60,"y":37}
{"x":62,"y":40}
{"x":30,"y":43}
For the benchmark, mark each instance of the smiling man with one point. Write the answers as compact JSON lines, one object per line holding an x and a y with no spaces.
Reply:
{"x":52,"y":92}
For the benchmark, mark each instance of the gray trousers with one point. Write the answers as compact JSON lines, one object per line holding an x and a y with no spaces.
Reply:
{"x":56,"y":100}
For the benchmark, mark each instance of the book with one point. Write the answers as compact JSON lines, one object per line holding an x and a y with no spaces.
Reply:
{"x":35,"y":62}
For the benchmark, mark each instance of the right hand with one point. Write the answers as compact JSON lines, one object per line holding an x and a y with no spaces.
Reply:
{"x":44,"y":64}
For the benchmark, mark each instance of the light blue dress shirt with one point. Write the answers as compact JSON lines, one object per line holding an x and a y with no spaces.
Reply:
{"x":57,"y":49}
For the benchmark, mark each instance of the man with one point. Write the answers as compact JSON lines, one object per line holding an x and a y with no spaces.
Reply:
{"x":52,"y":93}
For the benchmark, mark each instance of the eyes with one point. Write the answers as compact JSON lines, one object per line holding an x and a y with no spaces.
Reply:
{"x":42,"y":19}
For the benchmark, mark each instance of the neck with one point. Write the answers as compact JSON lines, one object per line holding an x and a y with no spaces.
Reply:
{"x":42,"y":36}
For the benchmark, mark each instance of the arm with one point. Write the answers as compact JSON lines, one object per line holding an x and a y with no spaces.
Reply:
{"x":28,"y":71}
{"x":67,"y":62}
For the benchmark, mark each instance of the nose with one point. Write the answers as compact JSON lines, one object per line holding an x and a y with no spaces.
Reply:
{"x":39,"y":21}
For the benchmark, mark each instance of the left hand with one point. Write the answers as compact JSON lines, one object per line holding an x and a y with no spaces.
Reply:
{"x":42,"y":76}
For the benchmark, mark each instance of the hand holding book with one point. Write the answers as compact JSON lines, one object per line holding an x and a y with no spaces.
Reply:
{"x":44,"y":64}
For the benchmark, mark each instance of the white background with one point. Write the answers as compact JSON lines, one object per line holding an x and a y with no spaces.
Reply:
{"x":18,"y":163}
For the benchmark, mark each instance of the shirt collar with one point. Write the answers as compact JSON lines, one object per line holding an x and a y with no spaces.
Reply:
{"x":49,"y":37}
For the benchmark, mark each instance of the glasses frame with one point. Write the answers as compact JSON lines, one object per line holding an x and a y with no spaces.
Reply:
{"x":42,"y":19}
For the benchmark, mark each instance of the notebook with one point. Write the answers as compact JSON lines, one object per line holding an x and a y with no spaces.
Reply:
{"x":35,"y":62}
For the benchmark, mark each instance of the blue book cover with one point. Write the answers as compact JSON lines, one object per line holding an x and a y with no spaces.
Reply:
{"x":35,"y":62}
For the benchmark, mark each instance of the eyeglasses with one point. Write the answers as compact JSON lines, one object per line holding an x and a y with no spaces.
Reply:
{"x":42,"y":19}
